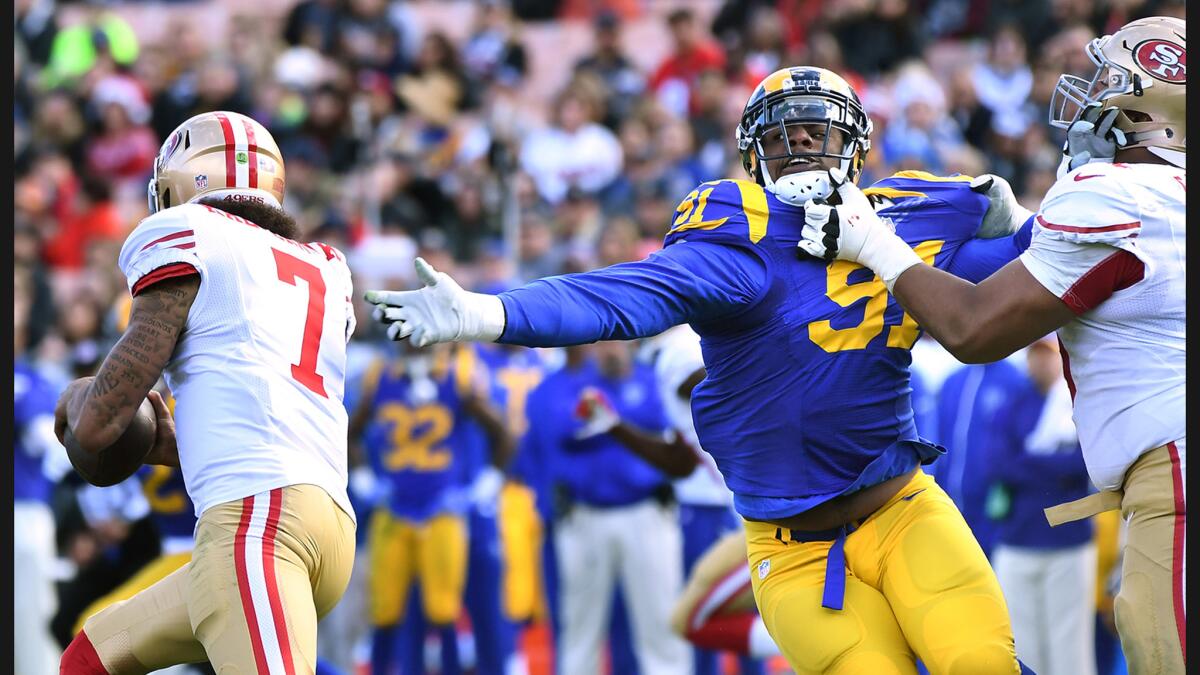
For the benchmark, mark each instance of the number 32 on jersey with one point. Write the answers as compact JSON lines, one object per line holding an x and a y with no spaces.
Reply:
{"x":839,"y":289}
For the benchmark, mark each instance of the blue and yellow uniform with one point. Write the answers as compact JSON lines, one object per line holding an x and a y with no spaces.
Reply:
{"x":174,"y":517}
{"x":414,"y":443}
{"x":807,"y":398}
{"x":494,"y":632}
{"x":514,"y":375}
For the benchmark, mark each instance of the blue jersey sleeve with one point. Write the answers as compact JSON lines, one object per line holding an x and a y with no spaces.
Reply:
{"x":689,"y":282}
{"x":978,"y":259}
{"x":927,"y":209}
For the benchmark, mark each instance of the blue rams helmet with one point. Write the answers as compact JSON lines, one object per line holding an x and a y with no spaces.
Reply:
{"x":809,"y":96}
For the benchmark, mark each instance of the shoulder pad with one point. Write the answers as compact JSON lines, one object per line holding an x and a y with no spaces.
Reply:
{"x":905,"y":186}
{"x":1090,"y":205}
{"x":726,"y":208}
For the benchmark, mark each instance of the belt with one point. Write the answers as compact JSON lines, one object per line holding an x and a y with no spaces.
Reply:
{"x":1097,"y":502}
{"x":834,"y":590}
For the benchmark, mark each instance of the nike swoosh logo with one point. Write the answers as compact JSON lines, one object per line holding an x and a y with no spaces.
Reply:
{"x":909,"y":497}
{"x":1079,"y":176}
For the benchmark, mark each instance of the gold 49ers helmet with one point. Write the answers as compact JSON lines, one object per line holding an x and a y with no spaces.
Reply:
{"x":803,"y":95}
{"x":1142,"y":71}
{"x":217,"y":154}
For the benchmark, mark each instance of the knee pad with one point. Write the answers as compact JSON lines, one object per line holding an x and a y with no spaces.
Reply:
{"x":81,"y":658}
{"x":986,"y":659}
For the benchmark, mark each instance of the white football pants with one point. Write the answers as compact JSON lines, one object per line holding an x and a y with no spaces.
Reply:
{"x":1051,"y":596}
{"x":641,"y":545}
{"x":34,"y":600}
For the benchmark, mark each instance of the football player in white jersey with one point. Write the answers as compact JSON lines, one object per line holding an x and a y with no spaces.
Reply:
{"x":249,"y":327}
{"x":1106,"y":269}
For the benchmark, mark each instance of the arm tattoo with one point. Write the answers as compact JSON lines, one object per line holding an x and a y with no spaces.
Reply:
{"x":135,"y":363}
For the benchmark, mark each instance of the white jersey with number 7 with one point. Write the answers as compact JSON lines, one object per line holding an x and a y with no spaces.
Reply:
{"x":259,"y":372}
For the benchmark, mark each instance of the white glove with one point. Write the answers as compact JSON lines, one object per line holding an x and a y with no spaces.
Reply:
{"x":1004,"y":215}
{"x":597,"y":412}
{"x":440,"y":312}
{"x":1091,"y":138}
{"x":852,"y":231}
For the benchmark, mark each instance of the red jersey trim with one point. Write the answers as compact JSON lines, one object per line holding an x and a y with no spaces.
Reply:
{"x":179,"y":269}
{"x":170,"y":237}
{"x":1084,"y":230}
{"x":1118,"y":271}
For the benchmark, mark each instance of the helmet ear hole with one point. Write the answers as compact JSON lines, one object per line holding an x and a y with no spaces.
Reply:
{"x":187,"y":139}
{"x":166,"y":198}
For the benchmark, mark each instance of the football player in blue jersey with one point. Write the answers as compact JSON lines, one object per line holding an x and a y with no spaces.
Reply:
{"x":859,"y":561}
{"x":422,"y":418}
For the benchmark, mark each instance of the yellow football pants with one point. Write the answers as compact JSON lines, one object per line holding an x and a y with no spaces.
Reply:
{"x":433,"y":553}
{"x":917,"y":586}
{"x":521,"y":542}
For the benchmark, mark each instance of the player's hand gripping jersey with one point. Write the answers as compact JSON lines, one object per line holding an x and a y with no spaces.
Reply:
{"x":263,"y":351}
{"x":807,"y":392}
{"x":1111,"y":241}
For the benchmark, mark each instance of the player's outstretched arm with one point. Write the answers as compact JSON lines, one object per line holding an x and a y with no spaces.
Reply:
{"x":98,"y":409}
{"x":985,"y":322}
{"x":685,"y":282}
{"x":976,"y":323}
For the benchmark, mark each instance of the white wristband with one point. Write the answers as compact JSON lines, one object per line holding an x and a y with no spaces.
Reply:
{"x":483,"y":317}
{"x":889,"y":256}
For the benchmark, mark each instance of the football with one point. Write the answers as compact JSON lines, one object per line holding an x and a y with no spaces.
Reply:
{"x":121,"y":459}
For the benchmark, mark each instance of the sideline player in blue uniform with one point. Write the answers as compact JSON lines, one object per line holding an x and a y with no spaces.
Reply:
{"x":420,"y":415}
{"x":861,"y":563}
{"x":494,"y":633}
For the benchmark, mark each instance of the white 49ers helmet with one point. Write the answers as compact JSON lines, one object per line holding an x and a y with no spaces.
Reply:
{"x":217,"y":154}
{"x":1142,"y":71}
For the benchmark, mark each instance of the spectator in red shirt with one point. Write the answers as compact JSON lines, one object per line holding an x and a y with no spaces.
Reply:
{"x":694,"y":53}
{"x":94,"y":217}
{"x":125,"y":148}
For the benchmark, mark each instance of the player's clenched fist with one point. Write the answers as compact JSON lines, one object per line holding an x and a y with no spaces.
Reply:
{"x":441,"y":311}
{"x":852,"y":231}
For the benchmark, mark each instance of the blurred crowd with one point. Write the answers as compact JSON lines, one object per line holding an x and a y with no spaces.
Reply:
{"x":400,"y":138}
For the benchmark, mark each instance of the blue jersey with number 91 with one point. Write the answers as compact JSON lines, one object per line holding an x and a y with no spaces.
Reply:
{"x":807,"y":393}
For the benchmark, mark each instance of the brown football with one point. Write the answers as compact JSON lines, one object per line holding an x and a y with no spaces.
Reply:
{"x":121,"y":459}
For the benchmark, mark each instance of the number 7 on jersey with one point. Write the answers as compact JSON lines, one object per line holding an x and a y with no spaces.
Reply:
{"x":290,"y":269}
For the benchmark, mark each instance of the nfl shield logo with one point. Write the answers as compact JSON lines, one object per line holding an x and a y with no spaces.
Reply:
{"x":202,"y":182}
{"x":764,"y":568}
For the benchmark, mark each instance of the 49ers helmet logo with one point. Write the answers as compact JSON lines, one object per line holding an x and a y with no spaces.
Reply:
{"x":1163,"y":60}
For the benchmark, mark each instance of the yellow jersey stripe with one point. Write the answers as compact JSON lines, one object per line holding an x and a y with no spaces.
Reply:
{"x":700,"y":225}
{"x":892,"y":193}
{"x":925,"y":175}
{"x":754,"y":203}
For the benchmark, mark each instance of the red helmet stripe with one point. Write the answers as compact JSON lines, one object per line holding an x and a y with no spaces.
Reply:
{"x":253,"y":150}
{"x":230,"y":146}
